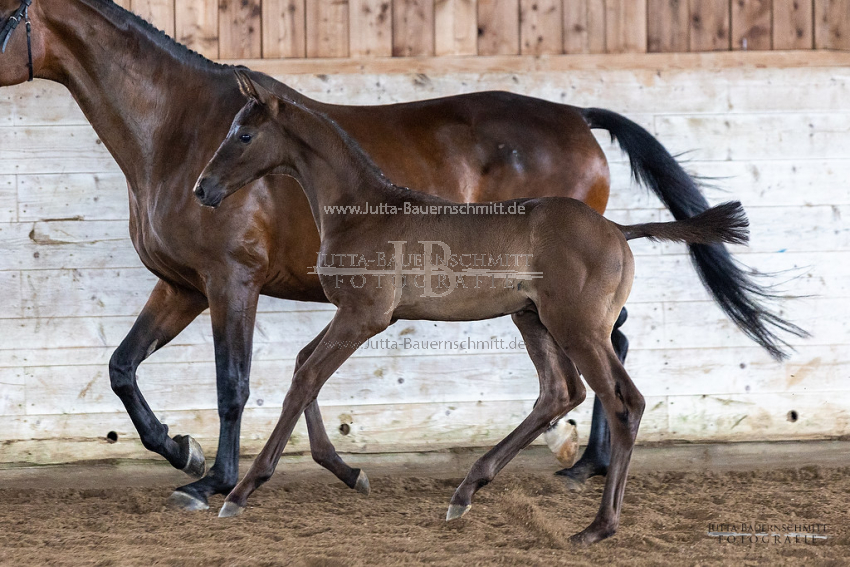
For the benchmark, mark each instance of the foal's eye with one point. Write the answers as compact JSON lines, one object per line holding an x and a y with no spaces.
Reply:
{"x":245,"y":138}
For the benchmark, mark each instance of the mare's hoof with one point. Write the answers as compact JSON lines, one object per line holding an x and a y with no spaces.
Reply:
{"x":230,"y":510}
{"x":196,"y":465}
{"x":362,"y":485}
{"x":181,"y":501}
{"x":457,"y":511}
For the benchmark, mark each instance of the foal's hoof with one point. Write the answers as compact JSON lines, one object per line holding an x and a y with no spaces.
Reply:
{"x":574,"y":485}
{"x":186,"y":502}
{"x":591,"y":535}
{"x":362,"y":485}
{"x":457,"y":511}
{"x":196,"y":464}
{"x":230,"y":510}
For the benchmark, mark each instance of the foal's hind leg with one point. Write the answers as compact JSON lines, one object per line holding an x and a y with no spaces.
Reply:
{"x":560,"y":391}
{"x":596,"y":457}
{"x":624,"y":407}
{"x":348,"y":330}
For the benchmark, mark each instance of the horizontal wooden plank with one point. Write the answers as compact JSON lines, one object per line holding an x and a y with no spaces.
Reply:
{"x":385,"y":427}
{"x":701,"y":325}
{"x":757,"y":136}
{"x":42,"y":103}
{"x":8,"y":199}
{"x":759,"y":415}
{"x":367,"y":380}
{"x":522,"y":64}
{"x":50,"y":149}
{"x":80,"y":196}
{"x":67,"y":244}
{"x":12,"y":305}
{"x":12,"y":391}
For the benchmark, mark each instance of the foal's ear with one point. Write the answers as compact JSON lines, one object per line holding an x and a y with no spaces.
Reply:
{"x":266,"y":97}
{"x":246,"y":85}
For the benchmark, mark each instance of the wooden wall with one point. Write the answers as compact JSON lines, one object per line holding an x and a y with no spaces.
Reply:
{"x":775,"y":137}
{"x":243,"y":29}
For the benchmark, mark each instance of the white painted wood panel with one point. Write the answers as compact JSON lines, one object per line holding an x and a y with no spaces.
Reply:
{"x":72,"y":283}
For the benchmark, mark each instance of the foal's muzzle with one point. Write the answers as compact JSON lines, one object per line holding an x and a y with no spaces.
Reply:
{"x":206,"y":197}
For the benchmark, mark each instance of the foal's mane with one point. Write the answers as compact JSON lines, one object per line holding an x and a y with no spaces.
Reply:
{"x":361,"y":158}
{"x":119,"y":15}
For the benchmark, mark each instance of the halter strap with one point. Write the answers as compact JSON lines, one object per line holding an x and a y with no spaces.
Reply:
{"x":21,"y":13}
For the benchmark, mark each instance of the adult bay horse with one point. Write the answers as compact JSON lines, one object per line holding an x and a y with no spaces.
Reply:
{"x":161,"y":111}
{"x":566,"y":272}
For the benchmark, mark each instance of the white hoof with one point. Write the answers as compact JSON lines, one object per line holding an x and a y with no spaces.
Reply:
{"x":456,"y":511}
{"x":230,"y":510}
{"x":362,"y":485}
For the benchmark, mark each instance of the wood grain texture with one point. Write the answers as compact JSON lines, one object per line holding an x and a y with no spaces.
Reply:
{"x":327,"y":28}
{"x":371,"y":28}
{"x":413,"y":28}
{"x":158,"y":12}
{"x":498,"y":27}
{"x":710,"y":26}
{"x":455,"y":27}
{"x":793,"y":24}
{"x":541,"y":27}
{"x":284,"y":29}
{"x":196,"y":26}
{"x":240,"y":29}
{"x":752,"y":24}
{"x":625,"y":26}
{"x":668,"y":26}
{"x":832,"y":24}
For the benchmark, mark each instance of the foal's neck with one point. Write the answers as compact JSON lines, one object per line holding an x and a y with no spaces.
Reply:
{"x":338,"y":178}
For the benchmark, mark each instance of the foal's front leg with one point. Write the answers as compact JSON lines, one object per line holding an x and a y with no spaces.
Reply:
{"x":347,"y":331}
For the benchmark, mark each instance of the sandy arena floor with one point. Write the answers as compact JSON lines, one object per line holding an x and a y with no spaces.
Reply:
{"x":115,"y":514}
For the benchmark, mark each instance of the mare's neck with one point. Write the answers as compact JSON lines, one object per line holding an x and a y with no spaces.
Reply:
{"x":157,"y":108}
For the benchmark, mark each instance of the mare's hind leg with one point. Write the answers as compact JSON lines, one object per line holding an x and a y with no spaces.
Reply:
{"x":560,"y":391}
{"x":167,"y":312}
{"x":597,"y":455}
{"x":346,"y":332}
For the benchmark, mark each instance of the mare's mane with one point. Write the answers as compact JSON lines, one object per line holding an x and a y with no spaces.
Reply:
{"x":125,"y":18}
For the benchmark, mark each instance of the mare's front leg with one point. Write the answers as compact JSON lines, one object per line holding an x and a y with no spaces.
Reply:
{"x":168,"y":311}
{"x":597,"y":456}
{"x":346,"y":332}
{"x":560,"y":391}
{"x":233,"y":310}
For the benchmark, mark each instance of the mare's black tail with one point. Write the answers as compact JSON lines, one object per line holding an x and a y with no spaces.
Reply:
{"x":732,"y":287}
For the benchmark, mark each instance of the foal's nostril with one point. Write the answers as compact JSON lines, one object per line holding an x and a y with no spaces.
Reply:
{"x":199,"y":191}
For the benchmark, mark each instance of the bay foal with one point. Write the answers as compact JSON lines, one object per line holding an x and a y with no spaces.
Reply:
{"x":574,"y":272}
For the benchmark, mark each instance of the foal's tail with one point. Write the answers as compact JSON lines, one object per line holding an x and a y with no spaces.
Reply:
{"x":740,"y":297}
{"x":726,"y":223}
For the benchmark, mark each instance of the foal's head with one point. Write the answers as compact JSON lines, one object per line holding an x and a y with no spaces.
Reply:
{"x":253,"y":148}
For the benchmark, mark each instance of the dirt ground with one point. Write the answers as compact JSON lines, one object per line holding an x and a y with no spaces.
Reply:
{"x":116,"y":515}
